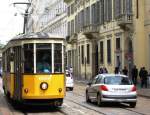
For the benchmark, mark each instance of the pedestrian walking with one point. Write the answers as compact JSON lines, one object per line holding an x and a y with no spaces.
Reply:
{"x":134,"y":73}
{"x":100,"y":70}
{"x":125,"y":71}
{"x":105,"y":70}
{"x":140,"y":73}
{"x":143,"y":73}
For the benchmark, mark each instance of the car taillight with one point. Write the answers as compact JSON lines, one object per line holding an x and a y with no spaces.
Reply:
{"x":133,"y":88}
{"x":103,"y":88}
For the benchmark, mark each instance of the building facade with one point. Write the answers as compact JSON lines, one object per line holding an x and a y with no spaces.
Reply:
{"x":48,"y":16}
{"x":108,"y":33}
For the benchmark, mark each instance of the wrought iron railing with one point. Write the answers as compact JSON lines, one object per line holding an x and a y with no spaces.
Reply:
{"x":92,"y":28}
{"x":125,"y":19}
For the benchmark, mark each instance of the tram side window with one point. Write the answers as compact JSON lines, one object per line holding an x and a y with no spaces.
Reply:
{"x":8,"y":60}
{"x":43,"y":58}
{"x":58,"y":58}
{"x":4,"y":61}
{"x":28,"y":58}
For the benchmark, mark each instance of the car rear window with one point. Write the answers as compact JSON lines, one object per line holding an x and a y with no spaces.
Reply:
{"x":117,"y":80}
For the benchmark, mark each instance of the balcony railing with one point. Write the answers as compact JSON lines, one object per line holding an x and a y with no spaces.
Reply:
{"x":124,"y":19}
{"x":67,"y":1}
{"x":71,"y":38}
{"x":92,"y":28}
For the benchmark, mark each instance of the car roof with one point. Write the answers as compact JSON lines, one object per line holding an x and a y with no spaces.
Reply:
{"x":111,"y":74}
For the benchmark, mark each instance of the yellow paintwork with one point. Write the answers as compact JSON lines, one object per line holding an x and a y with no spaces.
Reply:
{"x":11,"y":85}
{"x":32,"y":83}
{"x":8,"y":83}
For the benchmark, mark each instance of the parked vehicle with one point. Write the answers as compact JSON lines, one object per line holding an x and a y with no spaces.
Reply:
{"x":111,"y":88}
{"x":69,"y":81}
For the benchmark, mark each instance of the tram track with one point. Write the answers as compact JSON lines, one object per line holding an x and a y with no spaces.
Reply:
{"x":14,"y":110}
{"x":59,"y":111}
{"x":46,"y":111}
{"x":81,"y":104}
{"x":86,"y":107}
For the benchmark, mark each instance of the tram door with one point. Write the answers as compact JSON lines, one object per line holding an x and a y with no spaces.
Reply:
{"x":18,"y":73}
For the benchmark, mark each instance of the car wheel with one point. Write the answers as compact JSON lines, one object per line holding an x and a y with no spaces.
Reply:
{"x":87,"y":97}
{"x":99,"y":103}
{"x":132,"y":104}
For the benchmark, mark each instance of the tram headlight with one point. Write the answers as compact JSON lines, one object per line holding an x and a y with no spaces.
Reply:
{"x":44,"y":86}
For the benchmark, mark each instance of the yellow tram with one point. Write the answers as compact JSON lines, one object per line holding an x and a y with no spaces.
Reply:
{"x":33,"y":69}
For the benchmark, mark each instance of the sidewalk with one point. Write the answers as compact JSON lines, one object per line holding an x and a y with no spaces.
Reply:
{"x":143,"y":92}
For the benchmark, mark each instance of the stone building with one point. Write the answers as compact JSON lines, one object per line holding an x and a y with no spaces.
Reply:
{"x":47,"y":16}
{"x":108,"y":33}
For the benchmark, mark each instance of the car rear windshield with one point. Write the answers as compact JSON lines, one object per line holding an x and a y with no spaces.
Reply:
{"x":117,"y":80}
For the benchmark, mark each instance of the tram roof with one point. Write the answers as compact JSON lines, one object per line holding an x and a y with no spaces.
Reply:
{"x":38,"y":35}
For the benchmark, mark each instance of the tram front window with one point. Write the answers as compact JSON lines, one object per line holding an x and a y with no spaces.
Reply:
{"x":28,"y":56}
{"x":43,"y":58}
{"x":58,"y":58}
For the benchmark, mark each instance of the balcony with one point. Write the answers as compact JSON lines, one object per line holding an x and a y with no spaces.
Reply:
{"x":125,"y":21}
{"x":67,"y":1}
{"x":91,"y":30}
{"x":72,"y":38}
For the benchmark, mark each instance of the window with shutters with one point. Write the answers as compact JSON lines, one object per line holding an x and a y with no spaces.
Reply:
{"x":109,"y":13}
{"x":124,"y":6}
{"x":117,"y":43}
{"x":105,"y":10}
{"x":69,"y":57}
{"x":101,"y":11}
{"x":68,"y":11}
{"x":101,"y":52}
{"x":129,"y":6}
{"x":84,"y":22}
{"x":79,"y":20}
{"x":76,"y":23}
{"x":109,"y":51}
{"x":82,"y":18}
{"x":95,"y":13}
{"x":98,"y":12}
{"x":72,"y":8}
{"x":117,"y":8}
{"x":69,"y":32}
{"x":82,"y":53}
{"x":72,"y":27}
{"x":88,"y":53}
{"x":87,"y":16}
{"x":93,"y":16}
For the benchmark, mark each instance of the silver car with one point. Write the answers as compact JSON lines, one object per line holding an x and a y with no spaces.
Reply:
{"x":111,"y":88}
{"x":69,"y":81}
